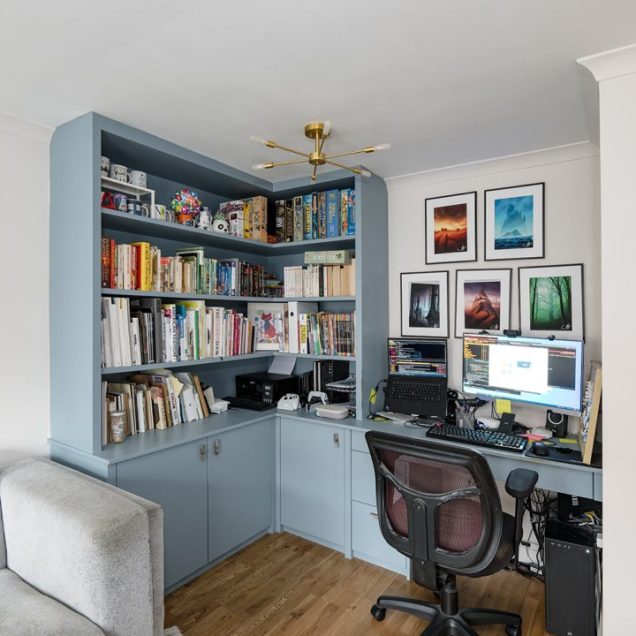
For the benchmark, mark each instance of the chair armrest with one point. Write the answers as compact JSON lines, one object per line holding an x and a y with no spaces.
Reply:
{"x":84,"y":543}
{"x":521,"y":482}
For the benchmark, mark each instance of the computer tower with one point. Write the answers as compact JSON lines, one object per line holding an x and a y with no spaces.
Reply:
{"x":570,"y":571}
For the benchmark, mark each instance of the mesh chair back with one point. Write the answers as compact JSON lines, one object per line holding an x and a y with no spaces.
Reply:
{"x":436,"y":503}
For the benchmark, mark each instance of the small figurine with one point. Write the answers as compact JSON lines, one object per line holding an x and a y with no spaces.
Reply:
{"x":219,"y":224}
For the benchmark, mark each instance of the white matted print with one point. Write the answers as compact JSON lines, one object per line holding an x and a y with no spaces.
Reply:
{"x":514,"y":222}
{"x":482,"y":300}
{"x":424,"y":301}
{"x":451,"y":228}
{"x":551,"y":301}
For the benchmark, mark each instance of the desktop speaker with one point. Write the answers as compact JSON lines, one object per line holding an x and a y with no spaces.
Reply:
{"x":557,"y":423}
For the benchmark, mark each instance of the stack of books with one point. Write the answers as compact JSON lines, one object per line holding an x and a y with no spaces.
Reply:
{"x":141,"y":266}
{"x":317,"y":215}
{"x":144,"y":331}
{"x":153,"y":401}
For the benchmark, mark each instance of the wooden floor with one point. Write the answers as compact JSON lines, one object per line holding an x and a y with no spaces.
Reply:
{"x":285,"y":585}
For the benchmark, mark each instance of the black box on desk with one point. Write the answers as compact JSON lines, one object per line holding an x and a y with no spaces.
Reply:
{"x":265,"y":387}
{"x":570,"y":578}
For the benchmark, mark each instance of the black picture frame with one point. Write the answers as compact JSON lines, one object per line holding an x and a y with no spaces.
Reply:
{"x":523,"y":252}
{"x":434,"y":277}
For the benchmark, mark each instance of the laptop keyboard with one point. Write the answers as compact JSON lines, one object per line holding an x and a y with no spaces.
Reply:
{"x":421,"y":391}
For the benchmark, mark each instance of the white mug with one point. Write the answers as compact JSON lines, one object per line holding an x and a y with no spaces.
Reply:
{"x":138,"y":178}
{"x":119,"y":172}
{"x":105,"y":166}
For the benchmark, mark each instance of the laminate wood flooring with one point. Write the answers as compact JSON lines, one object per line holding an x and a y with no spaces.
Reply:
{"x":284,"y":585}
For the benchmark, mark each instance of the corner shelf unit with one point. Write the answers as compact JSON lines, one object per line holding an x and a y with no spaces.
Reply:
{"x":78,"y":223}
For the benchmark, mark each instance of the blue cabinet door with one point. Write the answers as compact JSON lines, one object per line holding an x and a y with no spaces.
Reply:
{"x":240,"y":486}
{"x":312,"y":480}
{"x":176,"y":479}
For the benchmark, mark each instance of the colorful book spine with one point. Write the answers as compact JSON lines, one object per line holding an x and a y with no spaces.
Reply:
{"x":281,"y":218}
{"x":333,"y":213}
{"x":307,"y":217}
{"x":144,"y":266}
{"x":297,"y":215}
{"x":314,"y":215}
{"x":322,"y":215}
{"x":351,"y":213}
{"x":344,"y":220}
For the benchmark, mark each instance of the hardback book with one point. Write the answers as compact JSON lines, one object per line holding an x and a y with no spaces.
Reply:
{"x":280,"y":215}
{"x":298,"y":227}
{"x":314,"y":215}
{"x":322,"y":215}
{"x":143,"y":265}
{"x":289,"y":223}
{"x":333,"y":213}
{"x":307,"y":217}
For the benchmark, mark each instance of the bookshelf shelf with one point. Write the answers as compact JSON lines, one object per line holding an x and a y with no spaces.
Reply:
{"x":206,"y":361}
{"x":78,"y":223}
{"x":115,"y":220}
{"x":221,"y":298}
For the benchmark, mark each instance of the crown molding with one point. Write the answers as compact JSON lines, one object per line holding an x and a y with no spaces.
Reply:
{"x":610,"y":64}
{"x":25,"y":128}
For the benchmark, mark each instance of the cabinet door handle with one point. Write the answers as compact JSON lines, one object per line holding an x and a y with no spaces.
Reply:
{"x":217,"y":446}
{"x":203,"y":451}
{"x":336,"y":440}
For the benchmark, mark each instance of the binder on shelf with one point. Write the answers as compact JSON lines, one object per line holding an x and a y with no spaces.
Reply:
{"x":296,"y":308}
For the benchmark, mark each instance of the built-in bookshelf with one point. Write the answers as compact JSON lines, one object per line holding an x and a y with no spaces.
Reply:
{"x":78,"y":222}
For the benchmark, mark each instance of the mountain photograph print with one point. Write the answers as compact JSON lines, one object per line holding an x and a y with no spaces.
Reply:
{"x":514,"y":222}
{"x":551,"y":301}
{"x":424,"y":303}
{"x":451,"y":234}
{"x":482,"y":300}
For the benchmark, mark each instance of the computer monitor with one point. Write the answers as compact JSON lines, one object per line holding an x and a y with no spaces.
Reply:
{"x":417,"y":358}
{"x":536,"y":371}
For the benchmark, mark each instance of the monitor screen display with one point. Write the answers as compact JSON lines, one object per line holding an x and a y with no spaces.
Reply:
{"x":532,"y":370}
{"x":417,"y":357}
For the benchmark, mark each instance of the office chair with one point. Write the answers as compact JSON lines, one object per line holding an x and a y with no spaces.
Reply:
{"x":439,"y":506}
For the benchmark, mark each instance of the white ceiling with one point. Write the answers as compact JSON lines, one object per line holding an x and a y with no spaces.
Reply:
{"x":445,"y":81}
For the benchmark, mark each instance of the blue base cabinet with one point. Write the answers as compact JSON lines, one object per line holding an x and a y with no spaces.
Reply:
{"x":240,"y":486}
{"x":312,"y":481}
{"x":177,"y":479}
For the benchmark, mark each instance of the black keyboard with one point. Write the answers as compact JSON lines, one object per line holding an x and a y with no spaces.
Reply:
{"x":422,"y":391}
{"x":247,"y":403}
{"x":479,"y":437}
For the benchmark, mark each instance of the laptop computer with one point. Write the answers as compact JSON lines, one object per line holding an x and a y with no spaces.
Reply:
{"x":417,"y":380}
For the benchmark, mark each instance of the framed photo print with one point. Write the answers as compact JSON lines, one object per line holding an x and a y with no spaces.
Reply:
{"x":514,"y":220}
{"x":551,"y":301}
{"x":451,"y":228}
{"x":482,"y":300}
{"x":424,"y":300}
{"x":268,"y":320}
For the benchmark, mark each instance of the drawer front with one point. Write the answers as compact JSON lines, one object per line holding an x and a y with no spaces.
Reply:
{"x":358,"y":442}
{"x":362,"y":478}
{"x":368,"y":543}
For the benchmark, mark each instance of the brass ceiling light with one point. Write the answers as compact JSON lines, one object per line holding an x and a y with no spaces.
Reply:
{"x":318,"y":131}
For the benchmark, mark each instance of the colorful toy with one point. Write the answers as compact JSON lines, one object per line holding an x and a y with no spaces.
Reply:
{"x":186,"y":205}
{"x":219,"y":224}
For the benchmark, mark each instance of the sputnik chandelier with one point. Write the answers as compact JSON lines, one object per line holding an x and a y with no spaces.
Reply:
{"x":318,"y":131}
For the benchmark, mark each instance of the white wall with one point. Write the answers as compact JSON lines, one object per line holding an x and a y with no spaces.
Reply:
{"x":572,"y":231}
{"x":616,"y":74}
{"x":24,"y":285}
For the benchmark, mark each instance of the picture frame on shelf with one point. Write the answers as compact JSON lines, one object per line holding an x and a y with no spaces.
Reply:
{"x":451,"y":228}
{"x":268,"y":320}
{"x":551,"y":301}
{"x":482,"y":300}
{"x":424,"y":303}
{"x":514,"y":225}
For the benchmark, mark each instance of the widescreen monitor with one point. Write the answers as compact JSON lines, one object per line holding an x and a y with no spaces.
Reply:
{"x":536,"y":371}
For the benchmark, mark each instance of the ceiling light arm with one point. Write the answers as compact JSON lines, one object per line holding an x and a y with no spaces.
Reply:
{"x":275,"y":164}
{"x":366,"y":150}
{"x":362,"y":171}
{"x":273,"y":144}
{"x":313,"y":173}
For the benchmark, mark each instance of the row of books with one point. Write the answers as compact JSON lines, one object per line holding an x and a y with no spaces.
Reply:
{"x":141,"y":266}
{"x":317,"y":215}
{"x":325,"y":333}
{"x":153,"y":401}
{"x":138,"y":331}
{"x":320,"y":280}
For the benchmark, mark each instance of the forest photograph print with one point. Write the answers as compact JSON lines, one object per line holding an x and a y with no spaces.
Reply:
{"x":450,"y":228}
{"x":482,"y":300}
{"x":424,"y":303}
{"x":551,"y":301}
{"x":514,"y":222}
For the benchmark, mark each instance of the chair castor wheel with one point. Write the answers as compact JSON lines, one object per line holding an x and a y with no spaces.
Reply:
{"x":378,"y":613}
{"x":513,"y":630}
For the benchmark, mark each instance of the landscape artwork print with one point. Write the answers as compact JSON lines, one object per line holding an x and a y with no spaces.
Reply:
{"x":551,"y":303}
{"x":482,"y":305}
{"x":514,"y":223}
{"x":424,"y":306}
{"x":451,"y":228}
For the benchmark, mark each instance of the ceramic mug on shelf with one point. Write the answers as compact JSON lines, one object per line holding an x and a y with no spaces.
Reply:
{"x":105,"y":166}
{"x":119,"y":172}
{"x":138,"y":178}
{"x":159,"y":212}
{"x":121,"y":202}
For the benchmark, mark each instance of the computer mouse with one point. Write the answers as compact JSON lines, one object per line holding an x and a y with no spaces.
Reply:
{"x":538,"y":448}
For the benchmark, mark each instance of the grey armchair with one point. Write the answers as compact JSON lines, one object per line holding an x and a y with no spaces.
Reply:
{"x":77,"y":556}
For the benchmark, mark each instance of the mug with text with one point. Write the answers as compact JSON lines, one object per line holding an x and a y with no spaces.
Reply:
{"x":138,"y":178}
{"x":119,"y":172}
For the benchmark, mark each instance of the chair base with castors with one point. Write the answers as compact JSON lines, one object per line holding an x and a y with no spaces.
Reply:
{"x":446,"y":618}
